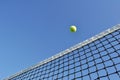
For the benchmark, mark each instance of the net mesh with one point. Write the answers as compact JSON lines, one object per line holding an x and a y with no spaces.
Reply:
{"x":98,"y":60}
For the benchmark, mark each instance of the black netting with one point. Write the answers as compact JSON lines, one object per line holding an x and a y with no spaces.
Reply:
{"x":98,"y":60}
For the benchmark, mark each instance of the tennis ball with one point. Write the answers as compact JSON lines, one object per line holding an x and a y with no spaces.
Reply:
{"x":73,"y":28}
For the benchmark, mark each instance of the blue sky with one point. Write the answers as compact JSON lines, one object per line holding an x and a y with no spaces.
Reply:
{"x":33,"y":30}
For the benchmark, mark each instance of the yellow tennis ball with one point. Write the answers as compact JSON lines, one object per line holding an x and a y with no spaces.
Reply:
{"x":73,"y":28}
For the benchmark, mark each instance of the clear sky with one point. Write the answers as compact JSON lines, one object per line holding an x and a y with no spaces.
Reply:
{"x":33,"y":30}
